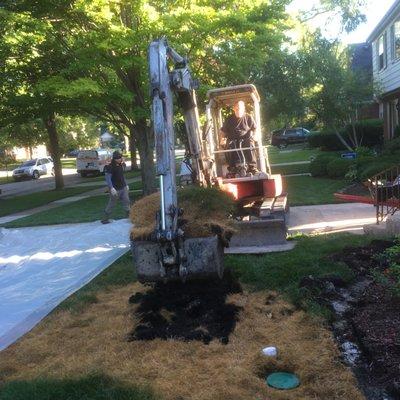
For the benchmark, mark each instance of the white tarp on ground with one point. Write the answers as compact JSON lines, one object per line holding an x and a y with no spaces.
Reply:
{"x":41,"y":266}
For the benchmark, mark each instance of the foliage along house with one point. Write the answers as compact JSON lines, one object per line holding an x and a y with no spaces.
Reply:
{"x":360,"y":55}
{"x":385,"y":40}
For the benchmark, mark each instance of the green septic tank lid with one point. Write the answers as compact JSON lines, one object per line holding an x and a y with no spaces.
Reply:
{"x":283,"y":380}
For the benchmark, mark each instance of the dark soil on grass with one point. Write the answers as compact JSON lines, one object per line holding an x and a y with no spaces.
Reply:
{"x":367,"y":320}
{"x":187,"y":311}
{"x":356,"y":189}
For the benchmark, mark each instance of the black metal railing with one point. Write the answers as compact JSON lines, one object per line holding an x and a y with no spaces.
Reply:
{"x":385,"y":191}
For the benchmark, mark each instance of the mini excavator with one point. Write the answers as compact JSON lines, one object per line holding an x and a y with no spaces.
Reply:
{"x":260,"y":197}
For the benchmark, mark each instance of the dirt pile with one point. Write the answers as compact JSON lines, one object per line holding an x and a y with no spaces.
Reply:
{"x":205,"y":212}
{"x":190,"y":311}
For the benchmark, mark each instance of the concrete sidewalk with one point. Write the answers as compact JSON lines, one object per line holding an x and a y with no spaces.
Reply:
{"x":60,"y":202}
{"x":331,"y":218}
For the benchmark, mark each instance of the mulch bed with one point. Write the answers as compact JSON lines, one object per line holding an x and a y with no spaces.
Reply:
{"x":375,"y":318}
{"x":377,"y":326}
{"x":187,"y":311}
{"x":356,"y":189}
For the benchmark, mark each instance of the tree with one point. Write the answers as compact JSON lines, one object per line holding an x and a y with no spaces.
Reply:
{"x":30,"y":55}
{"x":282,"y":85}
{"x":349,"y":12}
{"x":77,"y":133}
{"x":226,"y":41}
{"x":29,"y":134}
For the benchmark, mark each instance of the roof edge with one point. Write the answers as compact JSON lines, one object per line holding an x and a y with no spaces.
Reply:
{"x":382,"y":23}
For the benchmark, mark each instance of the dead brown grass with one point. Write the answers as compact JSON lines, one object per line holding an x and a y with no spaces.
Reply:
{"x":205,"y":216}
{"x":70,"y":345}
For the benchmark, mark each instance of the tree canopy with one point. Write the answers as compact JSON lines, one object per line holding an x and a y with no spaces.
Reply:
{"x":88,"y":58}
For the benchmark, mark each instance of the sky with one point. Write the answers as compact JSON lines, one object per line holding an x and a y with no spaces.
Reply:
{"x":374,"y":11}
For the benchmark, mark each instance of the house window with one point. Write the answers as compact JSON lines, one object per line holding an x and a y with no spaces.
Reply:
{"x":381,"y":52}
{"x":396,"y":40}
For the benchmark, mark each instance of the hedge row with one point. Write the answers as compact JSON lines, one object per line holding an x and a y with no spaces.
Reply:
{"x":362,"y":168}
{"x":371,"y":132}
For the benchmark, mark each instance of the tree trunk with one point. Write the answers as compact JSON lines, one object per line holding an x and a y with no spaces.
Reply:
{"x":133,"y":151}
{"x":145,"y":145}
{"x":50,"y":124}
{"x":345,"y":144}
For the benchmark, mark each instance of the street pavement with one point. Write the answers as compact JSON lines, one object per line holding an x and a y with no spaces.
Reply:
{"x":71,"y":178}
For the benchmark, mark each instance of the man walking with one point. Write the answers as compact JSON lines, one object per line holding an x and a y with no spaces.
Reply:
{"x":114,"y":174}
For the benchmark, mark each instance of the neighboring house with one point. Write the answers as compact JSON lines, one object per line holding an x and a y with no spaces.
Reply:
{"x":26,"y":153}
{"x":361,"y":62}
{"x":385,"y":40}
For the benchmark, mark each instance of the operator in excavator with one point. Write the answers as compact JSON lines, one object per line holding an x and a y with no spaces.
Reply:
{"x":237,"y":133}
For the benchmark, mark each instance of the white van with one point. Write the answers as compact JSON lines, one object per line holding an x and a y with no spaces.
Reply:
{"x":92,"y":161}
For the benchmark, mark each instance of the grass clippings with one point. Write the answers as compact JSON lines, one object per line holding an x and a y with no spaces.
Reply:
{"x":71,"y":345}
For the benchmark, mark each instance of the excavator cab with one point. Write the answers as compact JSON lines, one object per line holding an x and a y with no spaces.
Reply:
{"x":221,"y":103}
{"x":260,"y":195}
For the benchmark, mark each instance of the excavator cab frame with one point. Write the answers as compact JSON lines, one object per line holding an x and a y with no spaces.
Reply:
{"x":219,"y":101}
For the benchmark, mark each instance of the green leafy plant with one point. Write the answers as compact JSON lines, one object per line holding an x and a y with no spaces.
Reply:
{"x":388,"y":272}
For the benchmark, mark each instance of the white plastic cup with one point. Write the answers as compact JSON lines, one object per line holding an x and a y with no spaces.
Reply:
{"x":270,"y":351}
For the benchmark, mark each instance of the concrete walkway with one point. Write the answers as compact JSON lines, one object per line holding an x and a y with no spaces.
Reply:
{"x":331,"y":218}
{"x":290,"y":163}
{"x":60,"y":202}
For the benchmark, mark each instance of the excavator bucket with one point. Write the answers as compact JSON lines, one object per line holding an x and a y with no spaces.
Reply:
{"x":204,"y":260}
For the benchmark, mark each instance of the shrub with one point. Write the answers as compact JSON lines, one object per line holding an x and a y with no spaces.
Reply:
{"x":363,"y":152}
{"x":392,"y":147}
{"x":379,"y":165}
{"x":338,"y":167}
{"x":319,"y":164}
{"x":369,"y":131}
{"x":325,"y":141}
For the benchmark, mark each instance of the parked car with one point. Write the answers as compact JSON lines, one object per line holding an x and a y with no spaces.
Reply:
{"x":92,"y":162}
{"x":283,"y":137}
{"x":34,"y":168}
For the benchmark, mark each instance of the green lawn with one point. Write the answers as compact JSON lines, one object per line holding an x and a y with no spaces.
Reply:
{"x":32,"y":200}
{"x":291,"y":169}
{"x":284,"y":271}
{"x":128,"y":175}
{"x":90,"y":387}
{"x":85,"y":210}
{"x":68,"y":163}
{"x":273,"y":271}
{"x":306,"y":190}
{"x":290,"y":154}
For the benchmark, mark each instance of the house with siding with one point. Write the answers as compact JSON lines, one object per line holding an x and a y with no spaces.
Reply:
{"x":385,"y":40}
